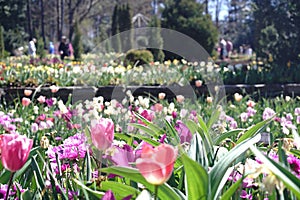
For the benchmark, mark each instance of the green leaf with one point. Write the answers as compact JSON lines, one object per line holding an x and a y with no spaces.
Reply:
{"x":192,"y":126}
{"x":146,"y":129}
{"x":26,"y":195}
{"x":164,"y":191}
{"x":4,"y":177}
{"x":119,"y":189}
{"x":197,"y":182}
{"x":88,"y":164}
{"x":205,"y":138}
{"x":122,"y":136}
{"x":230,"y":191}
{"x":146,"y":139}
{"x":295,"y":152}
{"x":172,"y":133}
{"x":228,"y":134}
{"x":214,"y":117}
{"x":84,"y":187}
{"x":254,"y":130}
{"x":158,"y":131}
{"x":202,"y":124}
{"x":52,"y":178}
{"x":217,"y":173}
{"x":23,"y":169}
{"x":182,"y":196}
{"x":197,"y":151}
{"x":39,"y":178}
{"x":205,"y":129}
{"x":281,"y":172}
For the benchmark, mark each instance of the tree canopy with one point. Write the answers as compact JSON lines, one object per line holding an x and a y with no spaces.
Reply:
{"x":187,"y":17}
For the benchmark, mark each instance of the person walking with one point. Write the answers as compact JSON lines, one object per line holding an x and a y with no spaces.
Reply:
{"x":223,"y":52}
{"x":229,"y":48}
{"x":32,"y":48}
{"x":51,"y":48}
{"x":63,"y":48}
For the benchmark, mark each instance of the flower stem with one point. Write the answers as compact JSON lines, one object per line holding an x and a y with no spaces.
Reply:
{"x":155,"y":192}
{"x":99,"y":163}
{"x":9,"y":184}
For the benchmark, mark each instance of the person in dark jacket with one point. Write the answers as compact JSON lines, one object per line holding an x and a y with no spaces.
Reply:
{"x":63,"y":48}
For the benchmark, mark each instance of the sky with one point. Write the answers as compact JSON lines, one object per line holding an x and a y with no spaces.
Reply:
{"x":223,"y":12}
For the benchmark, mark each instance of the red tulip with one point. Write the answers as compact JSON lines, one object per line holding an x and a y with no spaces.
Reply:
{"x":156,"y":165}
{"x":102,"y":132}
{"x":15,"y":150}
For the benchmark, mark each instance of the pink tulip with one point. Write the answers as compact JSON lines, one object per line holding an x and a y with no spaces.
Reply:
{"x":180,"y":98}
{"x":25,"y":101}
{"x":156,"y":165}
{"x":27,"y":92}
{"x":198,"y":83}
{"x":41,"y":99}
{"x":158,"y":107}
{"x":147,"y":114}
{"x":102,"y":132}
{"x":54,"y":88}
{"x":161,"y":95}
{"x":15,"y":150}
{"x":250,"y":103}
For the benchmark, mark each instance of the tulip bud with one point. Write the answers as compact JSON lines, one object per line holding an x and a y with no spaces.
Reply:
{"x":44,"y":142}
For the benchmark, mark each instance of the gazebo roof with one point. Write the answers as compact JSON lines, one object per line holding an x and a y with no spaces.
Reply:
{"x":140,"y":20}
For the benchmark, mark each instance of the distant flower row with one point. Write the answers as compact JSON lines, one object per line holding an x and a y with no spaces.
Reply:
{"x":109,"y":69}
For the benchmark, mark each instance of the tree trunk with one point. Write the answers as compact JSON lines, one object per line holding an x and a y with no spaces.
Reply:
{"x":43,"y":22}
{"x":62,"y":12}
{"x":219,"y":4}
{"x":206,"y":6}
{"x":71,"y":17}
{"x":217,"y":12}
{"x":58,"y":20}
{"x":29,"y":18}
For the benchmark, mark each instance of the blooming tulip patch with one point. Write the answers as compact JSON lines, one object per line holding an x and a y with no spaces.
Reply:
{"x":150,"y":147}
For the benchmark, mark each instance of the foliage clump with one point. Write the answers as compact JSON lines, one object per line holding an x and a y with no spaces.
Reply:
{"x":138,"y":57}
{"x":77,"y":44}
{"x":156,"y":40}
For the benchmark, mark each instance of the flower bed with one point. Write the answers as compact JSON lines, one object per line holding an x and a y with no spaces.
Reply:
{"x":142,"y":147}
{"x":108,"y":69}
{"x":82,"y":93}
